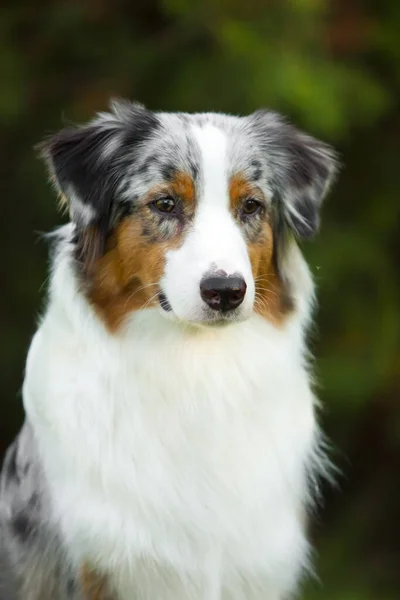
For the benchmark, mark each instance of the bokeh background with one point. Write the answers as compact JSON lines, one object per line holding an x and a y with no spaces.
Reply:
{"x":332,"y":66}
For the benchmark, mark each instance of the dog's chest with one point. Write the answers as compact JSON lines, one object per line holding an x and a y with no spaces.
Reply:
{"x":177,"y":461}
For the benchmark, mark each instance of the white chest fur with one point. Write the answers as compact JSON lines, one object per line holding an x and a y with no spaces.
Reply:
{"x":176,"y":458}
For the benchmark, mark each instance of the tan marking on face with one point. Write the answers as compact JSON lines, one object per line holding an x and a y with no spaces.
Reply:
{"x":182,"y":185}
{"x":240,"y":189}
{"x":126,"y":278}
{"x":272,"y":298}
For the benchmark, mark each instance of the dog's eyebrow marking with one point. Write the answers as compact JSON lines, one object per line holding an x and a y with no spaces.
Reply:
{"x":239,"y":189}
{"x":183,"y":185}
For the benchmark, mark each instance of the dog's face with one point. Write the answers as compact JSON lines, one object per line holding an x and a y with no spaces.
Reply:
{"x":188,"y":212}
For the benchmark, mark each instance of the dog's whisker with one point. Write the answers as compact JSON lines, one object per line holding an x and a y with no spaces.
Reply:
{"x":140,"y":289}
{"x":268,"y":290}
{"x":146,"y":304}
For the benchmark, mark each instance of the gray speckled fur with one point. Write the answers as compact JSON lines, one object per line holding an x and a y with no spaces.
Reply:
{"x":33,"y":565}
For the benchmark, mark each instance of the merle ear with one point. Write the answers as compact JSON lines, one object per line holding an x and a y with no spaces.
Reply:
{"x":302,"y":170}
{"x":86,"y":165}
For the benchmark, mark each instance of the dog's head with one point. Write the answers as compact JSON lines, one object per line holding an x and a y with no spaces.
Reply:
{"x":190,"y":213}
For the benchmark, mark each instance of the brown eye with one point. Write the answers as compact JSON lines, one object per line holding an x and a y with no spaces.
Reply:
{"x":164,"y":205}
{"x":251,"y":207}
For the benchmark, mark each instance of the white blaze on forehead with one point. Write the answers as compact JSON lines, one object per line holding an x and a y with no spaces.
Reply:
{"x":213,"y":145}
{"x":215,"y":234}
{"x":215,"y":241}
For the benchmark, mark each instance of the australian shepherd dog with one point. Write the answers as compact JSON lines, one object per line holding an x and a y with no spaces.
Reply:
{"x":171,"y":449}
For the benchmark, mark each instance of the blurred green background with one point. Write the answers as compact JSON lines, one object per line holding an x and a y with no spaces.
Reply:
{"x":332,"y":66}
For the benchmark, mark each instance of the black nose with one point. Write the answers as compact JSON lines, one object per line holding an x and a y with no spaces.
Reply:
{"x":223,"y":292}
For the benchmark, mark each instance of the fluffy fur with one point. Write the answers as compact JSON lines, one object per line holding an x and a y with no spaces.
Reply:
{"x":170,"y":450}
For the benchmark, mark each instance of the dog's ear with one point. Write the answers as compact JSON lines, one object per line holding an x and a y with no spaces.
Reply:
{"x":301,"y":171}
{"x":87,"y":166}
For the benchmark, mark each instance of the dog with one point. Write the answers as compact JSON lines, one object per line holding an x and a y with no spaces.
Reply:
{"x":171,"y":448}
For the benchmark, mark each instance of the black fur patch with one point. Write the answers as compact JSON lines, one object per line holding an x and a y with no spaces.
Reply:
{"x":126,"y":208}
{"x":257,"y":170}
{"x":164,"y":302}
{"x":71,"y":587}
{"x":89,"y":175}
{"x":302,"y":170}
{"x":22,"y":526}
{"x":168,"y":171}
{"x":141,"y":125}
{"x":11,"y":463}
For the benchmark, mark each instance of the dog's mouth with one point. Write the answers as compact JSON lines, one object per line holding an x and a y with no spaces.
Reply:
{"x":220,"y":318}
{"x":207,"y":318}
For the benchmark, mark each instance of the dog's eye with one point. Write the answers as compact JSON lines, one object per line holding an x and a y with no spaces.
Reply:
{"x":165,"y":205}
{"x":251,"y":207}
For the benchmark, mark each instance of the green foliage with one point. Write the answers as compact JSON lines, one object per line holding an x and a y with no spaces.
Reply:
{"x":332,"y":67}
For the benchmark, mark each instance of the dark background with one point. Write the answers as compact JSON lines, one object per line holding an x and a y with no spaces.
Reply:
{"x":333,"y":66}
